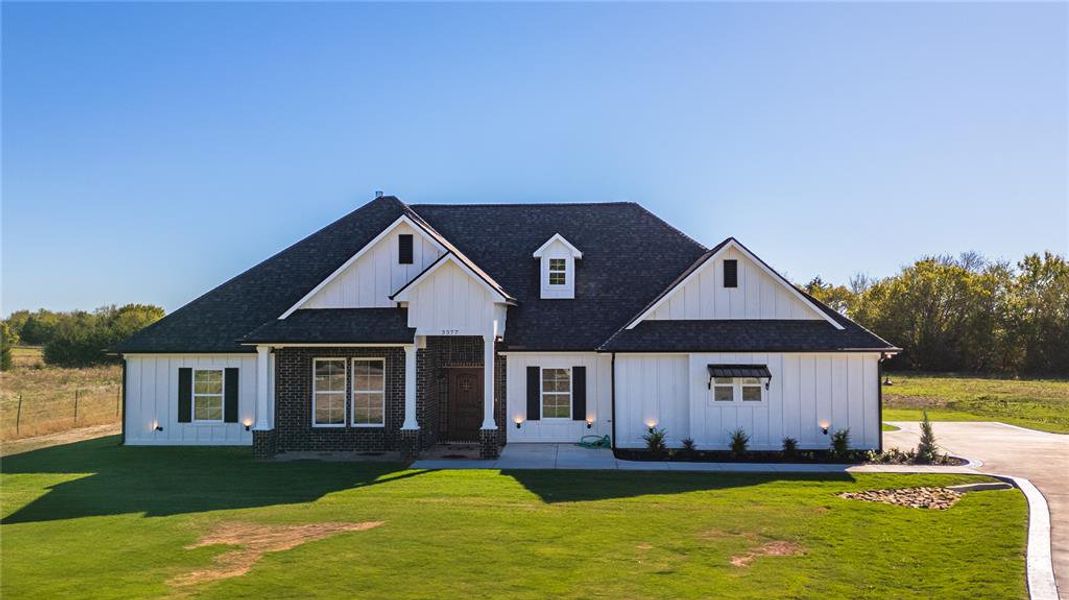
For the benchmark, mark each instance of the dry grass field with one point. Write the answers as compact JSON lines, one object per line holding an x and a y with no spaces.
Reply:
{"x":54,"y":399}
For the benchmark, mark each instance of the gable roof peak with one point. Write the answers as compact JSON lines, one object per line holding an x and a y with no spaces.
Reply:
{"x":557,"y":237}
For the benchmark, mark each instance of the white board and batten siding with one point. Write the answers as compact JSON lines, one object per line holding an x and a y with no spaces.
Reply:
{"x":598,"y":397}
{"x":152,"y":398}
{"x":376,"y":274}
{"x":449,"y":301}
{"x":758,"y":295}
{"x":806,"y":389}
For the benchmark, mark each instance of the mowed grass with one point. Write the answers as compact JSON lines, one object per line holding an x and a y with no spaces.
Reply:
{"x":1036,"y":403}
{"x":95,"y":519}
{"x":48,"y":396}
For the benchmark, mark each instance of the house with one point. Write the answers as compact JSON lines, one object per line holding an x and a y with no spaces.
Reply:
{"x":398,"y":327}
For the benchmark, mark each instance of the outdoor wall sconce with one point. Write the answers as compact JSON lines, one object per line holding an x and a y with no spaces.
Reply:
{"x":589,"y":423}
{"x":824,"y":427}
{"x":650,"y":425}
{"x":247,"y":423}
{"x":158,"y":427}
{"x":518,"y":421}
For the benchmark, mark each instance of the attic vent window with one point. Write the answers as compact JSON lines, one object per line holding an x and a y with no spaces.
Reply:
{"x":558,"y":268}
{"x":404,"y":249}
{"x":731,"y":273}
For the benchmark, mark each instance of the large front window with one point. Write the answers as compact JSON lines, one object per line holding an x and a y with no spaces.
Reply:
{"x":556,"y":393}
{"x":208,"y":395}
{"x":328,"y":392}
{"x":369,"y":391}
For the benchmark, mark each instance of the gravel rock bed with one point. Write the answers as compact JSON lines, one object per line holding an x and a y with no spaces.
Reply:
{"x":922,"y":497}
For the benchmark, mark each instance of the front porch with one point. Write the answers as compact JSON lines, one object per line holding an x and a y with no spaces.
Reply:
{"x":404,"y":398}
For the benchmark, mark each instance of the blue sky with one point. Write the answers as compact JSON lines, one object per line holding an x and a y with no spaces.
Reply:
{"x":152,"y":151}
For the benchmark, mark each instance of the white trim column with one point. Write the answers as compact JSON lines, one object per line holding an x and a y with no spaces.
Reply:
{"x":488,"y":381}
{"x":263,"y":411}
{"x":410,"y":388}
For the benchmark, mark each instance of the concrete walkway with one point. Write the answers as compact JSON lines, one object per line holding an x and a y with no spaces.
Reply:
{"x":1040,"y":457}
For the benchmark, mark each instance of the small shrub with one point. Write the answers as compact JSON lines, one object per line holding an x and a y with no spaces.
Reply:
{"x":927,"y":451}
{"x":690,"y":447}
{"x":840,"y":443}
{"x":790,"y":447}
{"x":739,"y":440}
{"x":655,"y":442}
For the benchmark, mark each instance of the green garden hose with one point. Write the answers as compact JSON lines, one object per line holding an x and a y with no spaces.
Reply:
{"x":594,"y":441}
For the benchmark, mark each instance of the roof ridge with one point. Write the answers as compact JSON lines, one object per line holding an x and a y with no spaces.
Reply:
{"x":527,"y":204}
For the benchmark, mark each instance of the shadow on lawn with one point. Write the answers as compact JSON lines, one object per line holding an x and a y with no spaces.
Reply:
{"x":111,"y":479}
{"x":584,"y":486}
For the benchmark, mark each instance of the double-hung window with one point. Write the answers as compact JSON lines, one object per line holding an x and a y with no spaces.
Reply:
{"x":208,"y":395}
{"x":556,"y":393}
{"x":731,"y":389}
{"x":369,"y":392}
{"x":558,"y":271}
{"x":328,"y":392}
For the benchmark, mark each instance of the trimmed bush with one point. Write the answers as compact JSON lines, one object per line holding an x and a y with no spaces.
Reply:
{"x":655,"y":442}
{"x":790,"y":447}
{"x":927,"y":450}
{"x":739,"y":441}
{"x":840,"y":443}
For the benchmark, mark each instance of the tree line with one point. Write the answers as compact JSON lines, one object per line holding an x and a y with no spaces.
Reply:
{"x":965,"y":313}
{"x":75,"y":338}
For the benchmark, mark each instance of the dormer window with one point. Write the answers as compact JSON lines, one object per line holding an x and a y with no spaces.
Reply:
{"x":557,"y":268}
{"x":558,"y":271}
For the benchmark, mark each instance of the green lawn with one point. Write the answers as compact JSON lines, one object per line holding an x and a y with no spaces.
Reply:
{"x":97,"y":520}
{"x":1036,"y":403}
{"x":888,"y":427}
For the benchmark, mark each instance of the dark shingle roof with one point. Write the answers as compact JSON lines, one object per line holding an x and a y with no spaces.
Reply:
{"x":337,"y":326}
{"x":217,"y":320}
{"x":629,"y":256}
{"x":743,"y":335}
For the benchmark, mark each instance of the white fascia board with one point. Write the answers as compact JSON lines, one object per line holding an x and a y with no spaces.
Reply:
{"x":405,"y":294}
{"x":557,"y":238}
{"x":337,"y":272}
{"x":712,"y":259}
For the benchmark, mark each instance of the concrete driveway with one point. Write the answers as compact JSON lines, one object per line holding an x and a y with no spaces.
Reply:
{"x":1038,"y":456}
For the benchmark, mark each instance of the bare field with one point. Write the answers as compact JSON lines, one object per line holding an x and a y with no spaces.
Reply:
{"x":37,"y":400}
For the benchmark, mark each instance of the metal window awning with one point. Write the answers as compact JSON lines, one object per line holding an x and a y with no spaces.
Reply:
{"x":758,"y":371}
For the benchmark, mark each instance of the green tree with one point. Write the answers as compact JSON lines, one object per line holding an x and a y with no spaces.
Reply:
{"x":8,"y":338}
{"x":81,"y":338}
{"x":838,"y":297}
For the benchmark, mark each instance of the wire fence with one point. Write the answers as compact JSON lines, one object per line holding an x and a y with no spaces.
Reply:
{"x":31,"y":414}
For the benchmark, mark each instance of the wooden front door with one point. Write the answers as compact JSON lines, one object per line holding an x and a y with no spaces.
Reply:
{"x":465,"y":414}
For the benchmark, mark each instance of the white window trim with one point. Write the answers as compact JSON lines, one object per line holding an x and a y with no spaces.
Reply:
{"x":736,"y":386}
{"x":221,"y":395}
{"x":315,"y":392}
{"x":353,"y":391}
{"x":541,"y":394}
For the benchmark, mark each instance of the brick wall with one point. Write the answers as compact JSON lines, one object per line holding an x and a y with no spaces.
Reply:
{"x":293,"y":389}
{"x":440,"y":354}
{"x":293,"y":402}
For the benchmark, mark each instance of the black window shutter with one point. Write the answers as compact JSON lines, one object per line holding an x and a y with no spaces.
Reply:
{"x":230,"y":398}
{"x":185,"y":395}
{"x":404,"y":249}
{"x":534,"y":391}
{"x":731,"y":273}
{"x":579,"y":393}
